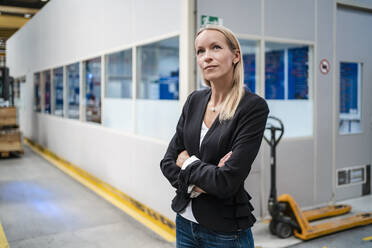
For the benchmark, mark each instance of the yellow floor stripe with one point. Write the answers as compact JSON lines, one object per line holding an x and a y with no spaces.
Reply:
{"x":3,"y":240}
{"x":367,"y":238}
{"x":148,"y":217}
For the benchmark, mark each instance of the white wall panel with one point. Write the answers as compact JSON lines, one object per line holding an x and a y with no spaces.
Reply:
{"x":241,"y":16}
{"x":52,"y":38}
{"x":157,"y":118}
{"x":290,"y":19}
{"x":127,"y":162}
{"x":323,"y":104}
{"x":118,"y":114}
{"x":155,"y":18}
{"x":294,"y":170}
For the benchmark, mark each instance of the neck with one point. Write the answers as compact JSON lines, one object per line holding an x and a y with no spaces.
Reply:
{"x":219,"y":92}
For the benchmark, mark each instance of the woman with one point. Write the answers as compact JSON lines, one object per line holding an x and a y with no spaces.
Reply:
{"x":217,"y":139}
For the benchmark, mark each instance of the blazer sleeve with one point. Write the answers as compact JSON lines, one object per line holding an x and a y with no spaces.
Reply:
{"x":168,"y":164}
{"x":223,"y":182}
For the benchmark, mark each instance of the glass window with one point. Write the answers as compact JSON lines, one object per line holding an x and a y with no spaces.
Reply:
{"x":288,"y":76}
{"x":157,"y":79}
{"x":158,"y":69}
{"x":286,"y":71}
{"x":118,"y":82}
{"x":46,"y":80}
{"x":58,"y":91}
{"x":37,"y":93}
{"x":17,"y":87}
{"x":298,"y":70}
{"x":250,"y":61}
{"x":350,"y":98}
{"x":274,"y":74}
{"x":73,"y":87}
{"x":93,"y":90}
{"x":118,"y":102}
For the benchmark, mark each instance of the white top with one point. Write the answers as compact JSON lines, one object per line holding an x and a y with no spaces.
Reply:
{"x":187,"y":213}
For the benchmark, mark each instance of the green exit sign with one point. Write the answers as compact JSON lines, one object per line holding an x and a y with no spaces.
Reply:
{"x":205,"y":20}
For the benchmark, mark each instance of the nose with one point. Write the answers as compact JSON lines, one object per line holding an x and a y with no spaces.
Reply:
{"x":207,"y":56}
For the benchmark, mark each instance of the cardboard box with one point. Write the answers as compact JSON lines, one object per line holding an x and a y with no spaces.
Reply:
{"x":8,"y":116}
{"x":10,"y":141}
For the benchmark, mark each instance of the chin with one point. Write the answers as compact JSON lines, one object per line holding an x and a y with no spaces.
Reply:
{"x":210,"y":77}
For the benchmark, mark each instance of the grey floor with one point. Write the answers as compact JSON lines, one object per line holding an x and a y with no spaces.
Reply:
{"x":349,"y":239}
{"x":352,"y":238}
{"x":40,"y":207}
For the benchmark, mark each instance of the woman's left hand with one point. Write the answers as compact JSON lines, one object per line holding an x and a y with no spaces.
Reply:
{"x":182,"y":157}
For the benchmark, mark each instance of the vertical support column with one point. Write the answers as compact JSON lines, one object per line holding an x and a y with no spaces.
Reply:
{"x":261,"y":91}
{"x":82,"y":116}
{"x":313,"y":95}
{"x":187,"y":53}
{"x":103,"y":84}
{"x":65,"y":93}
{"x":334,"y":104}
{"x":286,"y":73}
{"x":42,"y":92}
{"x":134,"y":87}
{"x":52,"y":93}
{"x":323,"y":106}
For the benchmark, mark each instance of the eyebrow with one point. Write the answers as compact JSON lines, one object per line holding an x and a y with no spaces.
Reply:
{"x":212,"y":44}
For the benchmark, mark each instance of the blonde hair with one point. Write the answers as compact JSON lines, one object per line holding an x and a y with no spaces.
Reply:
{"x":236,"y":93}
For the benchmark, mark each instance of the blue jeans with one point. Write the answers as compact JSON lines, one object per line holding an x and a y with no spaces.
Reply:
{"x":193,"y":235}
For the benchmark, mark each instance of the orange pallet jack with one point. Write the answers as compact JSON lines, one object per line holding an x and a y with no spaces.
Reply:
{"x":288,"y":218}
{"x":326,"y":212}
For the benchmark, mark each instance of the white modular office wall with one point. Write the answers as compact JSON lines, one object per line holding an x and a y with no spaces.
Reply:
{"x":69,"y":31}
{"x":304,"y":163}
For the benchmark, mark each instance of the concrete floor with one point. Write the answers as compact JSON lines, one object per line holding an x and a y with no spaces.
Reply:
{"x":352,"y":238}
{"x":41,"y":207}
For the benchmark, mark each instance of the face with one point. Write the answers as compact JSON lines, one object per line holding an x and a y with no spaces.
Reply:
{"x":214,"y":57}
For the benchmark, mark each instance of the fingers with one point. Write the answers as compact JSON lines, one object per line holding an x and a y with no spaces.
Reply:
{"x":181,"y":158}
{"x":197,"y":189}
{"x":178,"y":162}
{"x":224,"y":159}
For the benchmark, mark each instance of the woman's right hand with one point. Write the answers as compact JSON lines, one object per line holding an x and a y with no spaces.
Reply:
{"x":224,"y":159}
{"x":197,"y":189}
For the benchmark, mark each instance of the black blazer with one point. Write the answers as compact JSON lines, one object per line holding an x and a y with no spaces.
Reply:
{"x":225,"y":206}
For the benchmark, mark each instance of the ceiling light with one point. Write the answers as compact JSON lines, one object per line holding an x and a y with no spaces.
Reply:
{"x":27,"y":15}
{"x":44,"y":0}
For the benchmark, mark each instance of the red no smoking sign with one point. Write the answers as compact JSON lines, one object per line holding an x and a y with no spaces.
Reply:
{"x":324,"y":66}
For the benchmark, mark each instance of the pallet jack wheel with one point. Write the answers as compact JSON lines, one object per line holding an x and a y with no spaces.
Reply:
{"x":283,"y":230}
{"x":272,"y":226}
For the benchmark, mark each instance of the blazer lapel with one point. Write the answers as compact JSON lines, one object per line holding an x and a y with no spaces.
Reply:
{"x":199,"y":113}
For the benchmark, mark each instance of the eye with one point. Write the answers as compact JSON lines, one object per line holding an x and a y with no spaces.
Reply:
{"x":199,"y":51}
{"x":215,"y":47}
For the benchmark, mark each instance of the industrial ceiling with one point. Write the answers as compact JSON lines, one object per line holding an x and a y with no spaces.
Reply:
{"x":13,"y":15}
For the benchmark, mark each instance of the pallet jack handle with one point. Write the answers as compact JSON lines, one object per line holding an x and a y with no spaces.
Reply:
{"x":273,"y":142}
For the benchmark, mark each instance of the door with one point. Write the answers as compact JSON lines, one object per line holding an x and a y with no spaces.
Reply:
{"x":353,"y":100}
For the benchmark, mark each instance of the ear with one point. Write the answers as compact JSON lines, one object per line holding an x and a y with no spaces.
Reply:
{"x":236,"y":57}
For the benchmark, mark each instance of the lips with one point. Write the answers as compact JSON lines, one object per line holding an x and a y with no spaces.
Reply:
{"x":210,"y":67}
